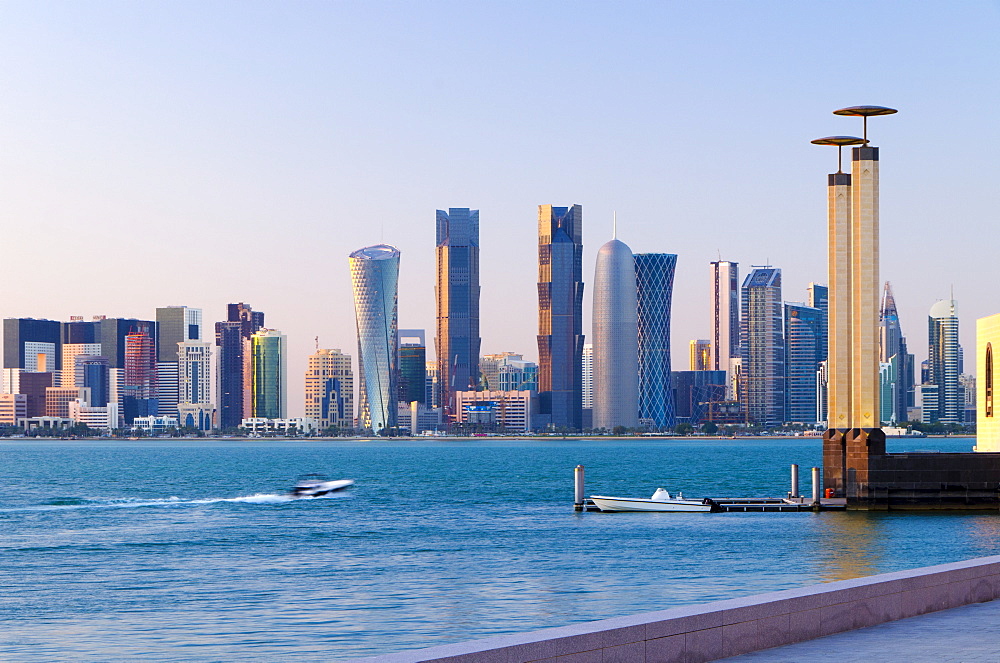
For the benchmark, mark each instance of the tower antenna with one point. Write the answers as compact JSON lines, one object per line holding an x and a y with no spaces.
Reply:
{"x":317,"y":344}
{"x":614,"y":225}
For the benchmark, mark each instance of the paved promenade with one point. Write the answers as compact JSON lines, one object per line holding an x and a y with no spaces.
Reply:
{"x":968,"y":634}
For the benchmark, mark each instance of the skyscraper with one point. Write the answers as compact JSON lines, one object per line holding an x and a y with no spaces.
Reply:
{"x":615,"y":327}
{"x":92,"y":372}
{"x":763,"y":346}
{"x":375,"y":277}
{"x":893,"y":351}
{"x":269,"y":370}
{"x":819,"y":298}
{"x":725,"y":341}
{"x":560,"y":315}
{"x":654,"y":278}
{"x":457,"y":295}
{"x":588,"y":376}
{"x":412,"y":366}
{"x":330,"y":389}
{"x":804,"y":337}
{"x":701,"y":354}
{"x":139,"y":385}
{"x":174,"y":325}
{"x":26,"y":339}
{"x":232,"y":337}
{"x":194,"y":382}
{"x":943,"y":361}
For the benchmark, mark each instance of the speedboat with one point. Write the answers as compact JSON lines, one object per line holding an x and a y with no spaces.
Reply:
{"x":660,"y":501}
{"x":314,"y":485}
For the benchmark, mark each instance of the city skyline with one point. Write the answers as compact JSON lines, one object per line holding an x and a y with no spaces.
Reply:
{"x":146,"y":125}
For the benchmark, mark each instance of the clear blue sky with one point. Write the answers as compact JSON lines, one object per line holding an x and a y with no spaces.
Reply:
{"x":202,"y":153}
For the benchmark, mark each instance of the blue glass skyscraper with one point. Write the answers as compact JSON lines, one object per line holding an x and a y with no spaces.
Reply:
{"x":804,"y":350}
{"x":654,"y":277}
{"x":560,"y":315}
{"x":457,"y":295}
{"x":762,"y":343}
{"x":375,"y":277}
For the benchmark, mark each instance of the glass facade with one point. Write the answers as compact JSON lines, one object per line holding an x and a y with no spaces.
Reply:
{"x":615,"y":337}
{"x":457,"y":293}
{"x":232,"y":338}
{"x":762,"y":344}
{"x":944,"y":359}
{"x":375,"y":277}
{"x":560,"y":315}
{"x":268,"y":374}
{"x":654,"y":278}
{"x":804,"y":332}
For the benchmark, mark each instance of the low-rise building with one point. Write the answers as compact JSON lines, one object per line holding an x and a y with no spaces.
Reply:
{"x":99,"y":418}
{"x":12,"y":408}
{"x":508,"y":410}
{"x":265,"y":426}
{"x":155,"y":425}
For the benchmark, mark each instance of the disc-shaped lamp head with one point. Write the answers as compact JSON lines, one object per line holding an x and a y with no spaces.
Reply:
{"x":865,"y":112}
{"x":839,"y":141}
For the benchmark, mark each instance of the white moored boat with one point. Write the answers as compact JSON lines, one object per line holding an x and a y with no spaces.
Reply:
{"x":660,"y":501}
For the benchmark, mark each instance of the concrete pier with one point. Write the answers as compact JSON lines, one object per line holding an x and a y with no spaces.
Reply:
{"x":721,"y":629}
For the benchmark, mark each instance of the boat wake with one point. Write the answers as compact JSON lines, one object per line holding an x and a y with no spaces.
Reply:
{"x":68,"y":503}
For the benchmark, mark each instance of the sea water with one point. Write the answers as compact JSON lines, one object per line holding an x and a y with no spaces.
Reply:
{"x":192,"y":550}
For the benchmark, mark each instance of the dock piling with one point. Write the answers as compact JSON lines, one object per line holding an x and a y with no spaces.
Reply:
{"x":578,"y":486}
{"x":816,"y":487}
{"x":795,"y":481}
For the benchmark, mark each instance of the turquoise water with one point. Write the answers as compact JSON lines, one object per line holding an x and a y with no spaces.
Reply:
{"x":189,"y":550}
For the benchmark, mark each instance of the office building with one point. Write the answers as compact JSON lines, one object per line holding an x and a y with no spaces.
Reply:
{"x":12,"y":408}
{"x":232,"y":340}
{"x":94,"y":373}
{"x":174,"y":325}
{"x":560,"y":316}
{"x":418,"y":419}
{"x":268,"y":374}
{"x":944,"y":361}
{"x":725,"y":341}
{"x":654,"y":278}
{"x":33,"y":386}
{"x":57,"y":400}
{"x":330,"y":389}
{"x":70,"y":351}
{"x":375,"y":280}
{"x":762,"y":343}
{"x":139,"y":391}
{"x":432,"y":393}
{"x":588,"y":376}
{"x":412,"y":366}
{"x":893,"y":350}
{"x":804,"y":339}
{"x":194,"y":383}
{"x":501,"y":410}
{"x":457,"y":294}
{"x":699,"y":395}
{"x":615,"y":338}
{"x":819,"y":298}
{"x":700,"y":350}
{"x":103,"y":418}
{"x":31,"y":345}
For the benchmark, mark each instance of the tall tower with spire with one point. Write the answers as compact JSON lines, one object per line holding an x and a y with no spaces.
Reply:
{"x":893,"y":351}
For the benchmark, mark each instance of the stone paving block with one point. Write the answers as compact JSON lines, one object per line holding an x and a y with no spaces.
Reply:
{"x":691,"y":622}
{"x":701,"y":646}
{"x":665,"y":650}
{"x":593,"y":656}
{"x":774,"y":631}
{"x":805,"y":625}
{"x":634,"y":652}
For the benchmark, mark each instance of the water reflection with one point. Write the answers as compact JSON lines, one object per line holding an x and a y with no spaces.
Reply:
{"x":850,"y":546}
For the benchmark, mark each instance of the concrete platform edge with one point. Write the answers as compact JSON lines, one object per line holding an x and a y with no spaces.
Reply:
{"x":710,"y":631}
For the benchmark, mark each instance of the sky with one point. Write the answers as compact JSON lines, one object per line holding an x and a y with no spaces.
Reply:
{"x":200,"y":153}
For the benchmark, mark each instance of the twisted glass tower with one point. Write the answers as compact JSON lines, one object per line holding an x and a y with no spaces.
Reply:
{"x":654,"y":279}
{"x":375,"y":276}
{"x":616,"y":353}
